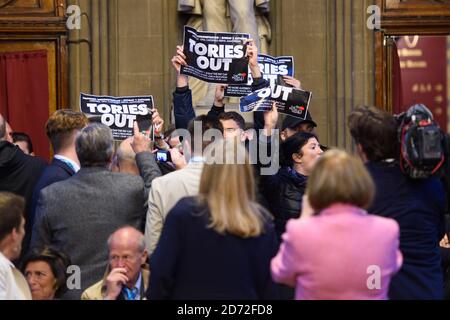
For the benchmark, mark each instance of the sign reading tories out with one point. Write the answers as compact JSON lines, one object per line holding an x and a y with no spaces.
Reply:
{"x":216,"y":57}
{"x":118,"y":113}
{"x":271,"y":67}
{"x":289,"y":101}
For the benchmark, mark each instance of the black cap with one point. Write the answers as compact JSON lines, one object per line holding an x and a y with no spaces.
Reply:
{"x":293,"y":122}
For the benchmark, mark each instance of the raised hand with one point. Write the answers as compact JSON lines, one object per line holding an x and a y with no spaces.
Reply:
{"x":252,"y":54}
{"x":140,"y":141}
{"x":177,"y":61}
{"x":157,"y":122}
{"x":293,"y":82}
{"x":178,"y":158}
{"x":270,"y":120}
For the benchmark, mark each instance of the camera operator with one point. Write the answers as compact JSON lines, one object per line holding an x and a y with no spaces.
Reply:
{"x":418,"y":205}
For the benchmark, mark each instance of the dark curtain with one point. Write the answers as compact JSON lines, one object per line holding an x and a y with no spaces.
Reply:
{"x":24,"y":95}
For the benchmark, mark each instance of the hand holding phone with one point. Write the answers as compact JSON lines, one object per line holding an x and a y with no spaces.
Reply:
{"x":163,"y":156}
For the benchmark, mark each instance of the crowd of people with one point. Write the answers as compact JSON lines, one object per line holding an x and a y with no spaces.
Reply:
{"x":102,"y":222}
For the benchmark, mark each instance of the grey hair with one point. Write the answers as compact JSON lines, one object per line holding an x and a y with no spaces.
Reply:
{"x":140,"y":239}
{"x":95,"y":145}
{"x":2,"y":128}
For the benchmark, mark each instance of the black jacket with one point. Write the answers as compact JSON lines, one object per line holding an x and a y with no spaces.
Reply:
{"x":182,"y":107}
{"x":57,"y":171}
{"x":19,"y":174}
{"x":284,"y":192}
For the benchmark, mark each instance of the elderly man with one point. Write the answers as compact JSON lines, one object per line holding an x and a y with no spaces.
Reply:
{"x":78,"y":215}
{"x":128,"y":272}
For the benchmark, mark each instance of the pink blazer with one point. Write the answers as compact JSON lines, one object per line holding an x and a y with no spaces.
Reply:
{"x":343,"y":253}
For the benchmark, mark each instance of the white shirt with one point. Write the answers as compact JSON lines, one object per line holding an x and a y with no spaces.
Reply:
{"x":68,"y":161}
{"x":10,"y":289}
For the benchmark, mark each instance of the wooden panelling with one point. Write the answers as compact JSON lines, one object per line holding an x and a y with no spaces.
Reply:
{"x":32,"y":16}
{"x":426,"y":16}
{"x":29,"y":7}
{"x":39,"y":24}
{"x":416,"y":8}
{"x":405,"y":17}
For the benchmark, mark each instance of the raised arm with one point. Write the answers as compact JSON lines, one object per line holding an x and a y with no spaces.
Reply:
{"x":182,"y":96}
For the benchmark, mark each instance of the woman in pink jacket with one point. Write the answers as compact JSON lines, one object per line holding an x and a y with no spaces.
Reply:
{"x":338,"y":251}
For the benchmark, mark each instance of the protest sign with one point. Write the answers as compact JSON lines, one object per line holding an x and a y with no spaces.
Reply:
{"x":271,"y":68}
{"x":118,"y":113}
{"x":289,"y":101}
{"x":216,"y":57}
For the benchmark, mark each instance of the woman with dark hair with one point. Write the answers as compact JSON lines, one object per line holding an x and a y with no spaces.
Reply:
{"x":284,"y":191}
{"x":46,"y":273}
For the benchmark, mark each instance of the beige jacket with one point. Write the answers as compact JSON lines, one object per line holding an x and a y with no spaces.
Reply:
{"x":98,"y":290}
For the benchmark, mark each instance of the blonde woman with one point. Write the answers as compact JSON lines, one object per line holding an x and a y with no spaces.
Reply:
{"x":217,"y":245}
{"x":340,"y":252}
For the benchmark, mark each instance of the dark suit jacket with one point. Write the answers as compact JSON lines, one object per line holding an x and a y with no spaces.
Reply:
{"x":57,"y":171}
{"x":194,"y":262}
{"x":78,"y":215}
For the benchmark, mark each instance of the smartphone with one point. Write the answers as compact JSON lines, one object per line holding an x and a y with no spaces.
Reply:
{"x":163,"y":156}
